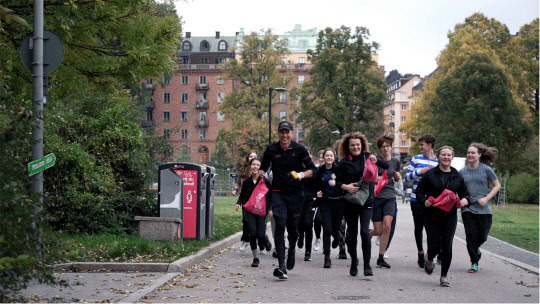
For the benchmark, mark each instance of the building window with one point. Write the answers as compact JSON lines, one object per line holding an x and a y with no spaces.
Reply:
{"x":302,"y":60}
{"x":166,"y":133}
{"x":220,"y":116}
{"x":402,"y":132}
{"x":186,"y":46}
{"x":202,"y":79}
{"x":301,"y":79}
{"x":222,"y":46}
{"x":403,"y":118}
{"x":184,"y":134}
{"x":149,"y":115}
{"x":184,"y":115}
{"x":186,"y":60}
{"x":205,"y":46}
{"x":166,"y":116}
{"x":202,"y":117}
{"x":219,"y":60}
{"x":185,"y":97}
{"x":202,"y":134}
{"x":221,"y":80}
{"x":282,"y":97}
{"x":149,"y":81}
{"x":220,"y":97}
{"x":403,"y":95}
{"x":284,"y":60}
{"x":185,"y":80}
{"x":204,"y":60}
{"x":301,"y":134}
{"x":403,"y":143}
{"x":283,"y":115}
{"x":167,"y":80}
{"x":166,"y":97}
{"x":302,"y":44}
{"x":404,"y":107}
{"x":202,"y":97}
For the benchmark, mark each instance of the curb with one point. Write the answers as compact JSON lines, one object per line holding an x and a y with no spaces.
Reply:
{"x":176,"y":266}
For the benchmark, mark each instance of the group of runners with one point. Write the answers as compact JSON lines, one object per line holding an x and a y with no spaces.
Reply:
{"x":335,"y":189}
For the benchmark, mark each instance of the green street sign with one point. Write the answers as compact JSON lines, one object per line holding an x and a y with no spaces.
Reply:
{"x":41,"y":164}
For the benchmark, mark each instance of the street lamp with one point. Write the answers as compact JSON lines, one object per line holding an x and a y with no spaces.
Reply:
{"x":330,"y":134}
{"x":270,"y":89}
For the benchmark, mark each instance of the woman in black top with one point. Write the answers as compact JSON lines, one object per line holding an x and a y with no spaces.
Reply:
{"x":354,"y":152}
{"x":256,"y":223}
{"x":441,"y":225}
{"x":329,"y":202}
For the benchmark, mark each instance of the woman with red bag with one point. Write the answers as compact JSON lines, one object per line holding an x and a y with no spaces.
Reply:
{"x":441,"y":224}
{"x":354,"y":154}
{"x":256,"y":223}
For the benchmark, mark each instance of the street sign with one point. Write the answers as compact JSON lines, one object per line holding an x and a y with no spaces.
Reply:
{"x":41,"y":164}
{"x":53,"y":51}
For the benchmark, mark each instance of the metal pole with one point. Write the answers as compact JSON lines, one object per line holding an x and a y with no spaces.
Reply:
{"x":37,"y":82}
{"x":270,"y":115}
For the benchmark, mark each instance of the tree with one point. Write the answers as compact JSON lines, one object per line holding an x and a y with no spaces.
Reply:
{"x":474,"y":103}
{"x":254,"y":71}
{"x":346,"y":90}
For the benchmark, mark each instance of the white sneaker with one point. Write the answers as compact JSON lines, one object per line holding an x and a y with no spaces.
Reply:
{"x":317,"y":245}
{"x":244,"y":246}
{"x":262,"y":251}
{"x":378,"y":240}
{"x":385,"y":255}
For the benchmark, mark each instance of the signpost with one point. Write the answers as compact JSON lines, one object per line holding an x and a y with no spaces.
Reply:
{"x":41,"y":164}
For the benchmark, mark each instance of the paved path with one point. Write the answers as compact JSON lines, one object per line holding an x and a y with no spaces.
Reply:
{"x":228,"y":277}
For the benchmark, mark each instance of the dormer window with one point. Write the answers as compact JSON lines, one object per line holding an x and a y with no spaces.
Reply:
{"x":205,"y":46}
{"x":222,"y":46}
{"x":186,"y":46}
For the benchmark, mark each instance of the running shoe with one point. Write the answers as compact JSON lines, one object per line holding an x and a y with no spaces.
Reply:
{"x":354,"y":269}
{"x":342,"y":254}
{"x":444,"y":283}
{"x":327,"y":262}
{"x":367,"y":270}
{"x":255,"y":262}
{"x":429,"y":270}
{"x":274,"y":254}
{"x":244,"y":246}
{"x":262,"y":251}
{"x":335,"y":243}
{"x":317,"y":245}
{"x":300,"y":242}
{"x":474,"y":268}
{"x":378,"y":240}
{"x":382,"y":263}
{"x":290,"y":259}
{"x":268,"y":246}
{"x":421,"y":260}
{"x":280,"y":273}
{"x":307,"y":256}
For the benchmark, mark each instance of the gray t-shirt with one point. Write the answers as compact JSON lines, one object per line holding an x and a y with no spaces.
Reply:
{"x":477,"y":182}
{"x":388,"y":190}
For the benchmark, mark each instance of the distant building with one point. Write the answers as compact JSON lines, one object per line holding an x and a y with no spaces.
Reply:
{"x":396,"y":112}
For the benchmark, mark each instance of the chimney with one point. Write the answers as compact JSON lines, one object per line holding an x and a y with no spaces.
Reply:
{"x":217,"y":35}
{"x":237,"y":33}
{"x":188,"y":34}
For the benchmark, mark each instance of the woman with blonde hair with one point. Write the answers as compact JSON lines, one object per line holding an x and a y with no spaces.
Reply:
{"x":477,"y":217}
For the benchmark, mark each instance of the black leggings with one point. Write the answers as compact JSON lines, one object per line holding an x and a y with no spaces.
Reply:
{"x":257,"y":230}
{"x":291,"y":223}
{"x":419,"y":224}
{"x":353,"y":213}
{"x":331,"y":214}
{"x":245,"y":226}
{"x":476,"y":232}
{"x":317,"y":223}
{"x":305,"y":225}
{"x":440,"y":229}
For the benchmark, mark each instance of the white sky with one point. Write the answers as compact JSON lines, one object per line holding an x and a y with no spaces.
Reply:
{"x":411,"y":33}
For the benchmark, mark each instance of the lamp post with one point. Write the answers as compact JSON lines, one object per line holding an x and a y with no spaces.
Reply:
{"x":270,"y":89}
{"x":330,"y":135}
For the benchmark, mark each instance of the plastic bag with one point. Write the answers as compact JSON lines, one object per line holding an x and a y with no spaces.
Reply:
{"x":381,"y":183}
{"x":370,"y":172}
{"x":445,"y":201}
{"x":257,"y":201}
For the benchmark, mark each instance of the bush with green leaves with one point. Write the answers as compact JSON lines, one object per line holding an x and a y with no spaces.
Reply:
{"x":522,"y":188}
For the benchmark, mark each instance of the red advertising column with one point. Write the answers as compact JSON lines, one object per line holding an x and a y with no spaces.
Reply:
{"x":190,"y":201}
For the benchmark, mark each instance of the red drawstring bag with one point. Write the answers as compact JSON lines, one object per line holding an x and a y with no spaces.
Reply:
{"x":370,"y":172}
{"x":445,"y":201}
{"x":381,"y":183}
{"x":257,"y":201}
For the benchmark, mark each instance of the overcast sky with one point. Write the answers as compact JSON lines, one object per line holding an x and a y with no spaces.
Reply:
{"x":411,"y":33}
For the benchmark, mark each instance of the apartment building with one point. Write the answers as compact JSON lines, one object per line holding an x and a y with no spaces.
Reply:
{"x":183,"y":107}
{"x":396,"y":112}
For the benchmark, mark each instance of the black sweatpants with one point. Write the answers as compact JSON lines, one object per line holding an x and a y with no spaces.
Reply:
{"x":353,"y":213}
{"x":331,"y":215}
{"x":257,"y":230}
{"x":440,"y":229}
{"x":476,"y":232}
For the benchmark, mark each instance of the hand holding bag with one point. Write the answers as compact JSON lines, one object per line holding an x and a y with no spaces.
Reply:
{"x":257,"y":201}
{"x":370,"y":172}
{"x":381,"y":183}
{"x":361,"y":196}
{"x":445,"y":201}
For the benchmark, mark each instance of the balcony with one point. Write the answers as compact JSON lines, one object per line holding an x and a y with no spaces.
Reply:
{"x":202,"y":86}
{"x":295,"y":66}
{"x":201,"y":105}
{"x":150,"y":86}
{"x":200,"y":66}
{"x":202,"y":124}
{"x":150,"y":105}
{"x":147,"y":123}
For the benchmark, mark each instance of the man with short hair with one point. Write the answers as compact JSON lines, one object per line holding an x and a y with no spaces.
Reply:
{"x":288,"y":160}
{"x":419,"y":165}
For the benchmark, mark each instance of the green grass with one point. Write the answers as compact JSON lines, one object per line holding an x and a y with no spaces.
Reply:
{"x":516,"y":224}
{"x":131,"y":248}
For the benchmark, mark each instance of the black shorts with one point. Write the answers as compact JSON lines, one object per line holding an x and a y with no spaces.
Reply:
{"x":287,"y":203}
{"x":383,"y":207}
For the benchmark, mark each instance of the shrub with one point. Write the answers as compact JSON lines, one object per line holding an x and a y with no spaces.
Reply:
{"x":523,"y":188}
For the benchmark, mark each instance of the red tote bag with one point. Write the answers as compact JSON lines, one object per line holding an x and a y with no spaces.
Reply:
{"x":257,"y":201}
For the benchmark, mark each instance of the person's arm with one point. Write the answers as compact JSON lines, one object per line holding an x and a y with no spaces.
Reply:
{"x":414,"y":172}
{"x":463,"y":192}
{"x":381,"y":163}
{"x":421,"y":191}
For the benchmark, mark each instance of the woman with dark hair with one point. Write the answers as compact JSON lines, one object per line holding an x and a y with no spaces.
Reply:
{"x":329,"y":202}
{"x":354,"y":152}
{"x":256,"y":223}
{"x":441,"y":224}
{"x":477,"y":216}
